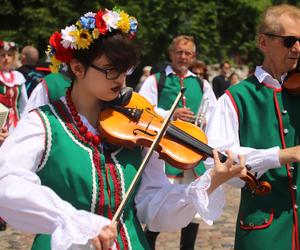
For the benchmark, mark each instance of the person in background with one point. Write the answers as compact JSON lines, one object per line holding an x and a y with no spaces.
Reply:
{"x":220,"y":83}
{"x":146,"y":73}
{"x":12,"y":93}
{"x":161,"y":90}
{"x":199,"y":68}
{"x":70,"y":182}
{"x":52,"y":87}
{"x":233,"y":79}
{"x":12,"y":88}
{"x":258,"y":117}
{"x":29,"y":60}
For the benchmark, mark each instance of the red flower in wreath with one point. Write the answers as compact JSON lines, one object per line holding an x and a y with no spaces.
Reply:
{"x":1,"y":43}
{"x":100,"y":23}
{"x":64,"y":55}
{"x":55,"y":41}
{"x":61,"y":53}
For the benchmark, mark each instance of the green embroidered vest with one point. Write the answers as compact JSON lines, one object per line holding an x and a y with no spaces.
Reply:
{"x":57,"y":85}
{"x":85,"y":177}
{"x":267,"y":118}
{"x":193,"y":96}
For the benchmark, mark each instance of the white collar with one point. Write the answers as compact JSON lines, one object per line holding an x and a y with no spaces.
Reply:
{"x":18,"y":78}
{"x":264,"y":76}
{"x":169,"y":70}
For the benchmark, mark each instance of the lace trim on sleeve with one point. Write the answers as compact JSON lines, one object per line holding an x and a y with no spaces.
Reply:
{"x":77,"y":230}
{"x":208,"y":207}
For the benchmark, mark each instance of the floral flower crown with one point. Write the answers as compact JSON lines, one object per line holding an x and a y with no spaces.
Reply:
{"x":85,"y":31}
{"x":7,"y":45}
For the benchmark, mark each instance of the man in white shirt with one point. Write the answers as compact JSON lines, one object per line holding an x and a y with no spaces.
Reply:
{"x":257,"y":114}
{"x":161,"y":90}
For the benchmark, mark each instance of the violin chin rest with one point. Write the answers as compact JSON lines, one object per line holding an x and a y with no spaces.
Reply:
{"x":122,"y":99}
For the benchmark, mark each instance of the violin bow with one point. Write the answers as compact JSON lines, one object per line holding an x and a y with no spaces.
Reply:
{"x":146,"y":159}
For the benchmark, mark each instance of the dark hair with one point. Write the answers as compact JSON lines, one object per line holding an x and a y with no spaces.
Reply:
{"x":199,"y":64}
{"x":223,"y":63}
{"x":121,"y":52}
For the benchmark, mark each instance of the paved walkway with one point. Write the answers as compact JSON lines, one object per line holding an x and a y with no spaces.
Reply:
{"x":220,"y":236}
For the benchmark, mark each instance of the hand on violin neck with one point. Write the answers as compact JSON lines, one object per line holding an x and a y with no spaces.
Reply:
{"x":289,"y":155}
{"x":222,"y":172}
{"x":184,"y":114}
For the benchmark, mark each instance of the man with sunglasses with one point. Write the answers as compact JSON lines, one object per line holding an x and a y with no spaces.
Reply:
{"x":260,"y":118}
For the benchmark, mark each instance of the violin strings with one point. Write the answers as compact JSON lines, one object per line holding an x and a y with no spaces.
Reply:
{"x":193,"y":142}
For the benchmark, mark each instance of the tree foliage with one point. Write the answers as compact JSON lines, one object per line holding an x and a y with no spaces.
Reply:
{"x":223,"y":29}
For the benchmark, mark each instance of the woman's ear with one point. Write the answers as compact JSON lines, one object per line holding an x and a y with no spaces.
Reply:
{"x":77,"y":68}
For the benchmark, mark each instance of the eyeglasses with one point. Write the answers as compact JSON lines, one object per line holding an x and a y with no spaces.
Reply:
{"x":110,"y":74}
{"x":201,"y":74}
{"x":288,"y":41}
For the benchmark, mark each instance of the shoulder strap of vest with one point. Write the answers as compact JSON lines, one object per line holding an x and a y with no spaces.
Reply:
{"x":200,"y":83}
{"x":161,"y":79}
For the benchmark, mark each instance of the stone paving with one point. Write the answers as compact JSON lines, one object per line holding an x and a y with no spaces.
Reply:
{"x":220,"y":236}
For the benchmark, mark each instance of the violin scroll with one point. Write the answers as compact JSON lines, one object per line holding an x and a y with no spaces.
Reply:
{"x":257,"y":187}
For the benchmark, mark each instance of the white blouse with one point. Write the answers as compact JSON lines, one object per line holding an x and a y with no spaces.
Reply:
{"x":32,"y":207}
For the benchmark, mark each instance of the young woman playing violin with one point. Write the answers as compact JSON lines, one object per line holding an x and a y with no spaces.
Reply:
{"x":61,"y":181}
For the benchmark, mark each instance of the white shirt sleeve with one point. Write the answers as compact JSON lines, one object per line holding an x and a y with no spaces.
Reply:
{"x":38,"y":97}
{"x":30,"y":206}
{"x":168,"y":207}
{"x":209,"y":95}
{"x":149,"y":91}
{"x":222,"y":133}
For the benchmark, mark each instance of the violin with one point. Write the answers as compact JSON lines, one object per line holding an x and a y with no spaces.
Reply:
{"x":292,"y":81}
{"x":183,"y":145}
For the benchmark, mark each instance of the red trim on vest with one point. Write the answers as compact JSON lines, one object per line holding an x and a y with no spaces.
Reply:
{"x":253,"y":227}
{"x":5,"y":100}
{"x":272,"y":87}
{"x":233,"y":103}
{"x":117,"y":197}
{"x":295,"y":224}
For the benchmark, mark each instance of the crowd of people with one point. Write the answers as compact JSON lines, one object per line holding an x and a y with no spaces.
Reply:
{"x":63,"y":180}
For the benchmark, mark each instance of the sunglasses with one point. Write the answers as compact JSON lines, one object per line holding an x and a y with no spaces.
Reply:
{"x":288,"y":41}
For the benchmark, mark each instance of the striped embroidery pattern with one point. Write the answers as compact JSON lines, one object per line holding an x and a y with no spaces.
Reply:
{"x":48,"y":139}
{"x":123,"y":229}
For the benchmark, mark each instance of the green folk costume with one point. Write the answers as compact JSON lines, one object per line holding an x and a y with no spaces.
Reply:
{"x":268,"y":117}
{"x":87,"y":178}
{"x":193,"y":96}
{"x":56,"y":85}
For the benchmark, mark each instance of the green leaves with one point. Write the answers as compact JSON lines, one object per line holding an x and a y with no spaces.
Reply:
{"x":223,"y":29}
